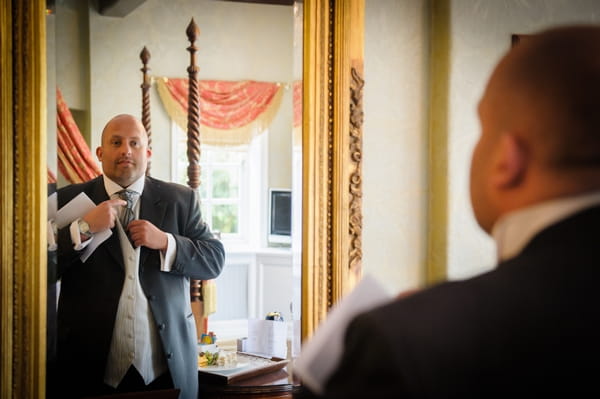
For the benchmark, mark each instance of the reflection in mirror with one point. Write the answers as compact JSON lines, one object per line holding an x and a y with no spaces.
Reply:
{"x":93,"y":58}
{"x":52,"y":182}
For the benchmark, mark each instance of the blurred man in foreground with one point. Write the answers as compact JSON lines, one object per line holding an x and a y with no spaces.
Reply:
{"x":530,"y":325}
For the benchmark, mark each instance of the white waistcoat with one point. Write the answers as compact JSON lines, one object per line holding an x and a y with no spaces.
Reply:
{"x":135,"y":338}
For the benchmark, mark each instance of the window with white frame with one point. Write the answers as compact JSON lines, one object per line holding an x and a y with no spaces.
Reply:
{"x":231,"y":185}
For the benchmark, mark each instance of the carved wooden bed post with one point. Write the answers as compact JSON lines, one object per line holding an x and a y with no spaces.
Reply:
{"x":145,"y":57}
{"x":193,"y":146}
{"x":193,"y":154}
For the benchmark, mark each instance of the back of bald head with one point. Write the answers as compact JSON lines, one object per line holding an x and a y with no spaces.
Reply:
{"x":554,"y":81}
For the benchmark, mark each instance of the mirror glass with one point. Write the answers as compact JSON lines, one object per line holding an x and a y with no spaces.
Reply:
{"x":251,"y":191}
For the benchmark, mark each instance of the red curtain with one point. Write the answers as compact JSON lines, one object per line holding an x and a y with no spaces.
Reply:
{"x":75,"y":160}
{"x":224,"y":104}
{"x":51,"y":176}
{"x":297,"y":103}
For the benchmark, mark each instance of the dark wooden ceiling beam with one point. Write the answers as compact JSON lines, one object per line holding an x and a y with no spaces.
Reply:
{"x":118,"y":8}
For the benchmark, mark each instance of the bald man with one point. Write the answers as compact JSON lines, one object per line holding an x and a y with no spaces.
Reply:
{"x":532,"y":325}
{"x":125,"y":322}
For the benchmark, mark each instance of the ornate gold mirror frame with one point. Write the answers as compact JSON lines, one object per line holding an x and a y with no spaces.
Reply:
{"x":332,"y":189}
{"x":332,"y":145}
{"x":23,"y":181}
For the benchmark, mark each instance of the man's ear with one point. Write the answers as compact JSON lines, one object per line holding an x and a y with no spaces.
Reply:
{"x":510,"y":163}
{"x":99,"y":153}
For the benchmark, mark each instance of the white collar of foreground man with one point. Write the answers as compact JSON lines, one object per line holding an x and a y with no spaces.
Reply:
{"x":514,"y":230}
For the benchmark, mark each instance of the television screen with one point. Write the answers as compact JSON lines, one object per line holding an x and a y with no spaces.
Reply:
{"x":280,"y":216}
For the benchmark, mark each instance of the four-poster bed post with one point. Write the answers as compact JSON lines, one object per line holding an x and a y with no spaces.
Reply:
{"x":193,"y":154}
{"x":193,"y":146}
{"x":146,"y":83}
{"x":193,"y":125}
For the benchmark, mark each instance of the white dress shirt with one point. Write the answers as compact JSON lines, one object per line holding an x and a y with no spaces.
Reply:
{"x":513,"y":231}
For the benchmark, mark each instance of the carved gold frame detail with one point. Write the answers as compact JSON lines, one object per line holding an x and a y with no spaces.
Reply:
{"x":23,"y":182}
{"x":332,"y":181}
{"x":332,"y":145}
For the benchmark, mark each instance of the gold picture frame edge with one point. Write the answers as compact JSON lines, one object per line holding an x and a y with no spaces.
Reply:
{"x":7,"y":214}
{"x":332,"y":218}
{"x":23,"y":137}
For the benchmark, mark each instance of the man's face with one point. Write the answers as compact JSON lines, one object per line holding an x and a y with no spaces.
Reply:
{"x":124,"y":151}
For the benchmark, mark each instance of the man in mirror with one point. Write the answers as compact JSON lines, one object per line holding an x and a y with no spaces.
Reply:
{"x":125,"y":322}
{"x":530,"y":326}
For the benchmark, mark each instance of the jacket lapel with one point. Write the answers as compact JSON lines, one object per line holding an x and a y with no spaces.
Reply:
{"x":112,"y":245}
{"x":153,"y":209}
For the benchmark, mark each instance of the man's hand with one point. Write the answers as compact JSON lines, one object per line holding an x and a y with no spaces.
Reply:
{"x":104,"y":215}
{"x":142,"y":232}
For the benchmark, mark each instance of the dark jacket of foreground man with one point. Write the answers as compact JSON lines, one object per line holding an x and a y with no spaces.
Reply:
{"x":530,"y":327}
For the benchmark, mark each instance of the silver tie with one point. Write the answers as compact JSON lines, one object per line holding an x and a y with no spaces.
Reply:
{"x":127,"y":214}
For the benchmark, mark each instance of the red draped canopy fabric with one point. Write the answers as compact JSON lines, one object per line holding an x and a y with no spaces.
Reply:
{"x":224,"y":104}
{"x":51,"y":176}
{"x":297,"y":103}
{"x":231,"y":112}
{"x":75,"y":160}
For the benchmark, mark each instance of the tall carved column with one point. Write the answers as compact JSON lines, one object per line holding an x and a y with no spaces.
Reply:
{"x":193,"y":138}
{"x":193,"y":154}
{"x":145,"y":57}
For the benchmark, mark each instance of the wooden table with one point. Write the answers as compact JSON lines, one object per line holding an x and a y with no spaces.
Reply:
{"x":276,"y":384}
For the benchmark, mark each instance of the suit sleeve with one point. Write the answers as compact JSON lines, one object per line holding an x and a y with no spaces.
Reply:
{"x":66,"y":254}
{"x":199,"y":254}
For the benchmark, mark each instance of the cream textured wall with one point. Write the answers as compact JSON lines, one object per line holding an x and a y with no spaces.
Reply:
{"x":395,"y":179}
{"x":70,"y":49}
{"x":480,"y":34}
{"x":394,"y":142}
{"x":237,"y":41}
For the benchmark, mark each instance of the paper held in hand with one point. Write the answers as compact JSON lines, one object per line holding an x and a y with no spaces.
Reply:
{"x":321,"y":354}
{"x":77,"y":208}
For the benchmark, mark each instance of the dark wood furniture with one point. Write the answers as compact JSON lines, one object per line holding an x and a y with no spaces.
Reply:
{"x":277,"y":384}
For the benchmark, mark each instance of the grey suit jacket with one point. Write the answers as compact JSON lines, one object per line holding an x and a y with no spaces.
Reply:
{"x":90,"y":291}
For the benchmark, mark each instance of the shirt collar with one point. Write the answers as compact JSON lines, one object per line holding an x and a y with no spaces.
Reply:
{"x":112,"y":188}
{"x":513,"y":231}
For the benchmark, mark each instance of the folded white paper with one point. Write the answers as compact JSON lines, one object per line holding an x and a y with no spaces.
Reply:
{"x":74,"y":209}
{"x":95,"y":242}
{"x":321,"y":354}
{"x":52,"y":206}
